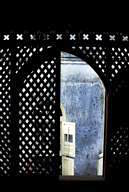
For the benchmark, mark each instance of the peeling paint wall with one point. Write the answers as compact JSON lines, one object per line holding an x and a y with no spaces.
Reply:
{"x":83,"y":95}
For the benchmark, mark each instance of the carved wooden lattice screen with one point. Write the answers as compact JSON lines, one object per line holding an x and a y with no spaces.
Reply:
{"x":29,"y":97}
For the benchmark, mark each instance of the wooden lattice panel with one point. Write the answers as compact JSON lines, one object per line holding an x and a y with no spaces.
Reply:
{"x":5,"y":111}
{"x":38,"y":153}
{"x":29,"y":136}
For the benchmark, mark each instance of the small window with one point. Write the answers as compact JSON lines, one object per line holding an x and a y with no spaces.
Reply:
{"x":70,"y":138}
{"x":66,"y":137}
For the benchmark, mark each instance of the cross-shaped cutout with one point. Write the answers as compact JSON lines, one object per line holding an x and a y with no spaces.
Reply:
{"x":72,"y":37}
{"x":19,"y":37}
{"x":125,"y":38}
{"x":85,"y":36}
{"x":6,"y":37}
{"x":32,"y":37}
{"x":98,"y":37}
{"x":59,"y":37}
{"x":112,"y":37}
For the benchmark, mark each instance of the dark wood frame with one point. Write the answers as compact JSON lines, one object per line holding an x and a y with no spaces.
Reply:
{"x":65,"y":45}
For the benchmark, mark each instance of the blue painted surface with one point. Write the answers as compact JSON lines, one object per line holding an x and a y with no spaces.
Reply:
{"x":82,"y":95}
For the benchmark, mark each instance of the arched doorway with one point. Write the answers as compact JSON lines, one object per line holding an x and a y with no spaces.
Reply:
{"x":83,"y":99}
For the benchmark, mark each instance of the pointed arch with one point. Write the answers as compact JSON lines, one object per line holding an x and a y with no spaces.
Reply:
{"x":74,"y":70}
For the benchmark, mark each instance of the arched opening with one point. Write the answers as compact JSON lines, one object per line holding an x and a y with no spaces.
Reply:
{"x":82,"y":130}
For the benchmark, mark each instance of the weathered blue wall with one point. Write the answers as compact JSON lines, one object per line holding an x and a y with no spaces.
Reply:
{"x":83,"y":100}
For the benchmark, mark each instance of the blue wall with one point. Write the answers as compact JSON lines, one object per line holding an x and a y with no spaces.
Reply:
{"x":83,"y":98}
